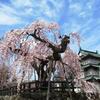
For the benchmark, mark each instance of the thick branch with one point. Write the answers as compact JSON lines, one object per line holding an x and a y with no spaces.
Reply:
{"x":36,"y":31}
{"x":56,"y":49}
{"x":18,"y":51}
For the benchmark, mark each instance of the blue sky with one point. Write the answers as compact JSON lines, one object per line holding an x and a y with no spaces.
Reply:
{"x":80,"y":16}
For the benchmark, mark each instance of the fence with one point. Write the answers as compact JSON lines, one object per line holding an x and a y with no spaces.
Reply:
{"x":36,"y":86}
{"x":59,"y":90}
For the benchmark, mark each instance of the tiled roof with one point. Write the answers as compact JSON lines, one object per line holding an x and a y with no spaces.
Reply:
{"x":86,"y":53}
{"x":89,"y":65}
{"x":92,"y":77}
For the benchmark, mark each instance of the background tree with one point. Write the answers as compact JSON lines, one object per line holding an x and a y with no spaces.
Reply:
{"x":4,"y":74}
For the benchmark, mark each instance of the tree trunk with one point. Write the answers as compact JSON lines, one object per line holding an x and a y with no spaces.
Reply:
{"x":49,"y":77}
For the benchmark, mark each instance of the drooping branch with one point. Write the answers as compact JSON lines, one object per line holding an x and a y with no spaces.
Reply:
{"x":18,"y":51}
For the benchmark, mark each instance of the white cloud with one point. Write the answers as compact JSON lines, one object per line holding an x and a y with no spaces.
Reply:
{"x":39,"y":8}
{"x":19,"y":9}
{"x":75,"y":7}
{"x":22,"y":3}
{"x":8,"y":15}
{"x":58,"y":4}
{"x":90,"y":4}
{"x":81,"y":9}
{"x":49,"y":11}
{"x":72,"y":26}
{"x":7,"y":9}
{"x":8,"y":20}
{"x":90,"y":42}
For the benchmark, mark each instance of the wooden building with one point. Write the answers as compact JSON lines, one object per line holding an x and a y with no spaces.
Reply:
{"x":90,"y":65}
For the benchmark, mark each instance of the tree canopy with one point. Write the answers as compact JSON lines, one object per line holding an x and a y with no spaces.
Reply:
{"x":41,"y":49}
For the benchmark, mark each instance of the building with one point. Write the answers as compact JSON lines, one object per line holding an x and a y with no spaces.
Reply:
{"x":90,"y":65}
